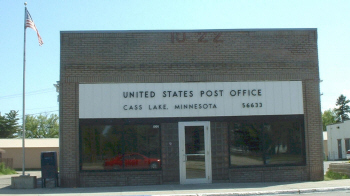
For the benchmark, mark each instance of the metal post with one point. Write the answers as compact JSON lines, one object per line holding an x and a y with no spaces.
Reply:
{"x":24,"y":92}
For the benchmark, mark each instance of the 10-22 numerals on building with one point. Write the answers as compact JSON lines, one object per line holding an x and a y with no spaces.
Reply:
{"x":201,"y":37}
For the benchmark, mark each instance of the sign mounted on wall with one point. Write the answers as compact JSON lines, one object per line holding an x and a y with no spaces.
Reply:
{"x":151,"y":100}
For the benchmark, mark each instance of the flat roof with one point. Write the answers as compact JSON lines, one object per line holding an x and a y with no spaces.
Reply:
{"x":189,"y":30}
{"x":339,"y":123}
{"x":29,"y":143}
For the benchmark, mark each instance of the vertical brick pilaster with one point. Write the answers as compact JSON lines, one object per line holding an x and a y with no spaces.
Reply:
{"x":69,"y":135}
{"x":219,"y":149}
{"x":313,"y":126}
{"x":170,"y":153}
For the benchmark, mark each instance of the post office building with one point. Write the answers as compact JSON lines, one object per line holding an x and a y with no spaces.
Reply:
{"x":182,"y":107}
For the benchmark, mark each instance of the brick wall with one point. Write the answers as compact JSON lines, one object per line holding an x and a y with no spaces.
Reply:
{"x":170,"y":153}
{"x":268,"y":174}
{"x":190,"y":56}
{"x":219,"y":150}
{"x":99,"y":179}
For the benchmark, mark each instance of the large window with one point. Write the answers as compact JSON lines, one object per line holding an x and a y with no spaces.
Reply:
{"x":120,"y":147}
{"x":267,"y":142}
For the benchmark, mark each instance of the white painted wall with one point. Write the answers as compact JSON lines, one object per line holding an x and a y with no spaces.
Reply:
{"x":335,"y":132}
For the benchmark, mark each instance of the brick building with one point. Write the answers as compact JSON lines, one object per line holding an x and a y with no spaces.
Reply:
{"x":206,"y":106}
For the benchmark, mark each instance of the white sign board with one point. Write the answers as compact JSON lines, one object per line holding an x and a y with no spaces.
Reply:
{"x":157,"y":100}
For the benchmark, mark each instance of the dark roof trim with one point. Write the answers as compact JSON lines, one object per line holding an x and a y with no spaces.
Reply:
{"x":195,"y":30}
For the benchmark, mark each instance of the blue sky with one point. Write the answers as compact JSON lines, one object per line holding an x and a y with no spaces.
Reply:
{"x":331,"y":18}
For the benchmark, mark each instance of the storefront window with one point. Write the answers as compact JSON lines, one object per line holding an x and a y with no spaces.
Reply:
{"x":246,"y":146}
{"x":120,"y":147}
{"x":283,"y":143}
{"x":278,"y":142}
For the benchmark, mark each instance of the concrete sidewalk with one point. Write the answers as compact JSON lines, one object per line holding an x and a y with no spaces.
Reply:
{"x":270,"y":188}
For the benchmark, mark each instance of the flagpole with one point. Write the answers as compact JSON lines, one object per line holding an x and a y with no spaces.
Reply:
{"x":24,"y":93}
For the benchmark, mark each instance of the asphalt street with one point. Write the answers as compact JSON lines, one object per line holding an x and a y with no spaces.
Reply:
{"x":333,"y":193}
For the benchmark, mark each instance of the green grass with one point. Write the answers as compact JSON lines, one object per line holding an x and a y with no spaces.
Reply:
{"x":326,"y":178}
{"x":335,"y":176}
{"x":5,"y":170}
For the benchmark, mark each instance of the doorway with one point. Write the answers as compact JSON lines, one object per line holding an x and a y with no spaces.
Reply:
{"x":195,"y":152}
{"x":339,"y":150}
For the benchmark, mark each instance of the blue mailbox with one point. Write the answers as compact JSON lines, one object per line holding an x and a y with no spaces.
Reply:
{"x":49,"y":167}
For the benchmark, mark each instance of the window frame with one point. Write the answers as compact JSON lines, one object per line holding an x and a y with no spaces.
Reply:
{"x":116,"y":122}
{"x":227,"y":119}
{"x":265,"y":120}
{"x":347,"y":144}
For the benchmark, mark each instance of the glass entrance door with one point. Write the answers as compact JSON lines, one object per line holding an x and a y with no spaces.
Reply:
{"x":195,"y":152}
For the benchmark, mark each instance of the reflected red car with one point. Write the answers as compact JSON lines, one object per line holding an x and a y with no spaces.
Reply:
{"x":132,"y":161}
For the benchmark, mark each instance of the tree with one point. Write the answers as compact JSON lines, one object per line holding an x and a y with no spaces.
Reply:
{"x":342,"y":109}
{"x":328,"y":118}
{"x":9,"y":125}
{"x":42,"y":126}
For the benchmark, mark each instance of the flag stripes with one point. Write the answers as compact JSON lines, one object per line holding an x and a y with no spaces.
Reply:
{"x":30,"y":24}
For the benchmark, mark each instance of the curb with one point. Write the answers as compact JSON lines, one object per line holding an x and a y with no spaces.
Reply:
{"x":277,"y":192}
{"x":271,"y":192}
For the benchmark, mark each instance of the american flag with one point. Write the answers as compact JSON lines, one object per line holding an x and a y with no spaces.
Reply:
{"x":30,"y":24}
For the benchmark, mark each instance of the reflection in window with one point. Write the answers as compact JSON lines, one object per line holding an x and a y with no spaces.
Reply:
{"x":283,"y":143}
{"x":117,"y":147}
{"x":195,"y":152}
{"x":245,"y":145}
{"x":266,"y":143}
